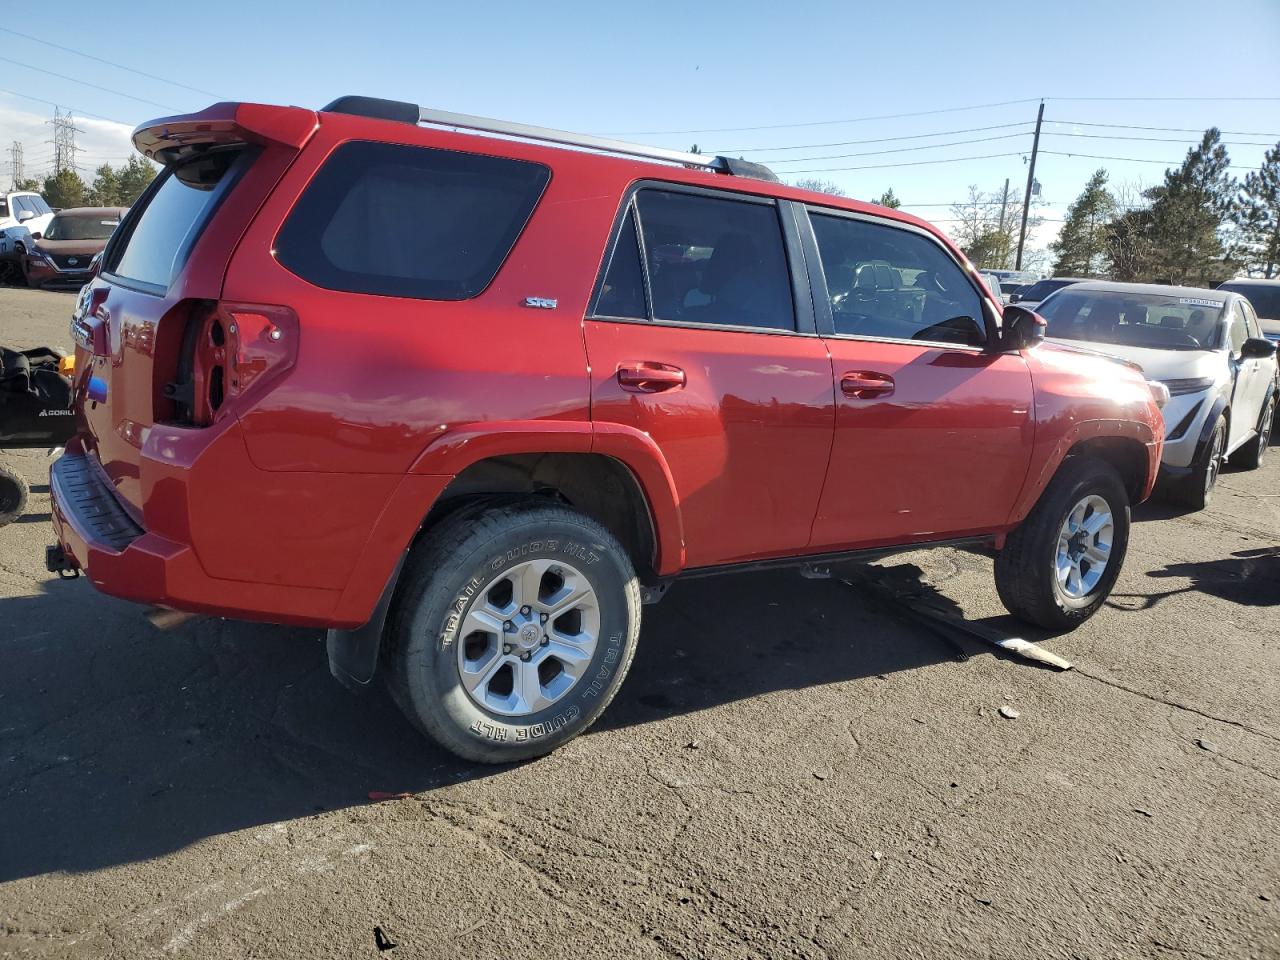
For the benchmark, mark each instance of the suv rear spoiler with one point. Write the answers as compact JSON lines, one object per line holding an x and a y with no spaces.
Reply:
{"x":171,"y":138}
{"x":398,"y":111}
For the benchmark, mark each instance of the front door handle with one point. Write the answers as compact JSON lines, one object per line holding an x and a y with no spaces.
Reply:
{"x":864,"y":384}
{"x":650,"y":377}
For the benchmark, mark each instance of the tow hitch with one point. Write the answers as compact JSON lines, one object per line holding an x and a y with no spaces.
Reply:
{"x":57,"y":561}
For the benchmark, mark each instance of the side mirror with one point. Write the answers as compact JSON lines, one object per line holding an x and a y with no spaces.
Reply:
{"x":1021,"y":328}
{"x":37,"y":235}
{"x":1256,"y":348}
{"x":25,"y":215}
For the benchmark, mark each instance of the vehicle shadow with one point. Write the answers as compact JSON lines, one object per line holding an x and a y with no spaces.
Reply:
{"x":1250,"y":578}
{"x":121,"y":742}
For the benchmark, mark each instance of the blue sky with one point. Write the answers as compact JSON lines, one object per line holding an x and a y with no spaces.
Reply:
{"x":697,"y":68}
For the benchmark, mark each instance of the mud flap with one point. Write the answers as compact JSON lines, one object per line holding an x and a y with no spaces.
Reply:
{"x":353,"y":654}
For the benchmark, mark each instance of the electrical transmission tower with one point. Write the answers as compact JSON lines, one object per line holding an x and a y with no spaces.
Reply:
{"x":15,"y":163}
{"x":64,"y":141}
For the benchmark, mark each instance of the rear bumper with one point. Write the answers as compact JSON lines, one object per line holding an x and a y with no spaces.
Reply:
{"x":98,"y":537}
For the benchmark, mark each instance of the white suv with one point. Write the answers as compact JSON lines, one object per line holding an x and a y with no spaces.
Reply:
{"x":23,"y":214}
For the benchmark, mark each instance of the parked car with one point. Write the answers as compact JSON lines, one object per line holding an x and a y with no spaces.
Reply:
{"x":68,"y":252}
{"x":466,"y":393}
{"x":1031,"y":296}
{"x":993,"y":284}
{"x":1014,"y":278}
{"x":22,"y":215}
{"x":1206,"y":347}
{"x":1264,"y":297}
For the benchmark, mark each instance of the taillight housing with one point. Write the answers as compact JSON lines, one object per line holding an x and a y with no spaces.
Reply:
{"x":229,"y":352}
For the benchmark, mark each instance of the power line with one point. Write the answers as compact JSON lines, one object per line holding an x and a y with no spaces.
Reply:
{"x":1112,"y":136}
{"x":1092,"y":156}
{"x":1130,"y":126}
{"x":54,"y":103}
{"x":925,"y":113}
{"x":86,"y":83}
{"x":824,"y":123}
{"x":914,"y":163}
{"x":854,"y":143}
{"x":118,"y":66}
{"x":927,"y":146}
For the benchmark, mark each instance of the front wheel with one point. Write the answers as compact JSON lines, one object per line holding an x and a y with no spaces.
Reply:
{"x":1060,"y":564}
{"x":512,"y":630}
{"x":13,"y":495}
{"x":1196,"y":490}
{"x":1250,"y":455}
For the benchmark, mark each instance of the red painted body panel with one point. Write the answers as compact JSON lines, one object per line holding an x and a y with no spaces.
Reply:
{"x":747,"y":437}
{"x":942,"y":456}
{"x":298,"y":501}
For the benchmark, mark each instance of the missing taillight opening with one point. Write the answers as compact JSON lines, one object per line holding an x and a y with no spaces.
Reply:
{"x":227,"y":350}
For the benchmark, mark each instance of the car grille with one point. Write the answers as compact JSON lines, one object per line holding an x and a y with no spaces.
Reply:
{"x":63,"y":260}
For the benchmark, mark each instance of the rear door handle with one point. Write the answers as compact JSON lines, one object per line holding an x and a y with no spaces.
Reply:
{"x":650,"y":377}
{"x":864,"y":384}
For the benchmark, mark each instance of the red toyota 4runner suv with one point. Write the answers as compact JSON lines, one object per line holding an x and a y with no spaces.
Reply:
{"x":466,"y":393}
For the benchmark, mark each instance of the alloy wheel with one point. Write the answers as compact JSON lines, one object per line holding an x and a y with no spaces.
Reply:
{"x":528,"y":637}
{"x":1084,"y":547}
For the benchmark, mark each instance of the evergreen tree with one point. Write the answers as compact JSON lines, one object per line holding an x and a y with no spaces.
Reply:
{"x":134,"y":177}
{"x":1258,"y":217}
{"x":889,"y":199}
{"x":64,"y":189}
{"x":1189,"y":212}
{"x":105,"y":191}
{"x":1081,"y":247}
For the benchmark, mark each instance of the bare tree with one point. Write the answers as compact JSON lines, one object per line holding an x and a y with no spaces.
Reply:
{"x":818,"y":186}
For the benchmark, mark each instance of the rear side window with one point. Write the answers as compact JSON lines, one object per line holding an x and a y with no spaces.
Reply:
{"x":622,"y":293}
{"x":715,"y":261}
{"x":156,"y":239}
{"x":408,"y":221}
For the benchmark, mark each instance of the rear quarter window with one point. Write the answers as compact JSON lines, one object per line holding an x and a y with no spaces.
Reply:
{"x":407,"y":221}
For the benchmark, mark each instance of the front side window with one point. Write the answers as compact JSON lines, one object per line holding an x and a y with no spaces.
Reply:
{"x":1238,"y":332}
{"x":895,"y":284}
{"x":406,"y":221}
{"x":715,"y":261}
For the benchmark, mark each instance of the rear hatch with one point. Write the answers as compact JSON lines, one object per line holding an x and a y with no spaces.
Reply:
{"x":139,"y":324}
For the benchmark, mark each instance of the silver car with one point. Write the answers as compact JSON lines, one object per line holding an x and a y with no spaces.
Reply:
{"x":1205,"y":348}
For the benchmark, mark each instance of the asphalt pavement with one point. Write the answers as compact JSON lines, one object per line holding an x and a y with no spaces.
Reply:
{"x":795,"y":768}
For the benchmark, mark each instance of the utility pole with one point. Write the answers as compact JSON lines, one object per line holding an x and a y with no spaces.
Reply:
{"x":1031,"y":179}
{"x":64,"y":141}
{"x":15,"y":163}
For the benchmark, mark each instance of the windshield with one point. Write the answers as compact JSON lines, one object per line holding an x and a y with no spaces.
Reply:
{"x":1042,"y":289}
{"x":97,"y":227}
{"x":1133,"y":319}
{"x":1265,"y":299}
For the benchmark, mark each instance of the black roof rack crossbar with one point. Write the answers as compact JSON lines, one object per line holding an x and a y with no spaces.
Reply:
{"x":399,"y":111}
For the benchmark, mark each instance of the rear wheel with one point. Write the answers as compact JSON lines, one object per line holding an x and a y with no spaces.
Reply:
{"x":13,"y":495}
{"x":1060,"y":564}
{"x":512,"y":630}
{"x":1250,"y":455}
{"x":1196,"y":490}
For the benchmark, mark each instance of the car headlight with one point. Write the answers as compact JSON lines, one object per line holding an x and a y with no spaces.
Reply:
{"x":1159,"y":392}
{"x":1179,"y":388}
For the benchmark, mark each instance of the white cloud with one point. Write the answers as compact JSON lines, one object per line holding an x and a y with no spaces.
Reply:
{"x":97,"y":142}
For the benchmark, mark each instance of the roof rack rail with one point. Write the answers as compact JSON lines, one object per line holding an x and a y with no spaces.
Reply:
{"x":402,"y":112}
